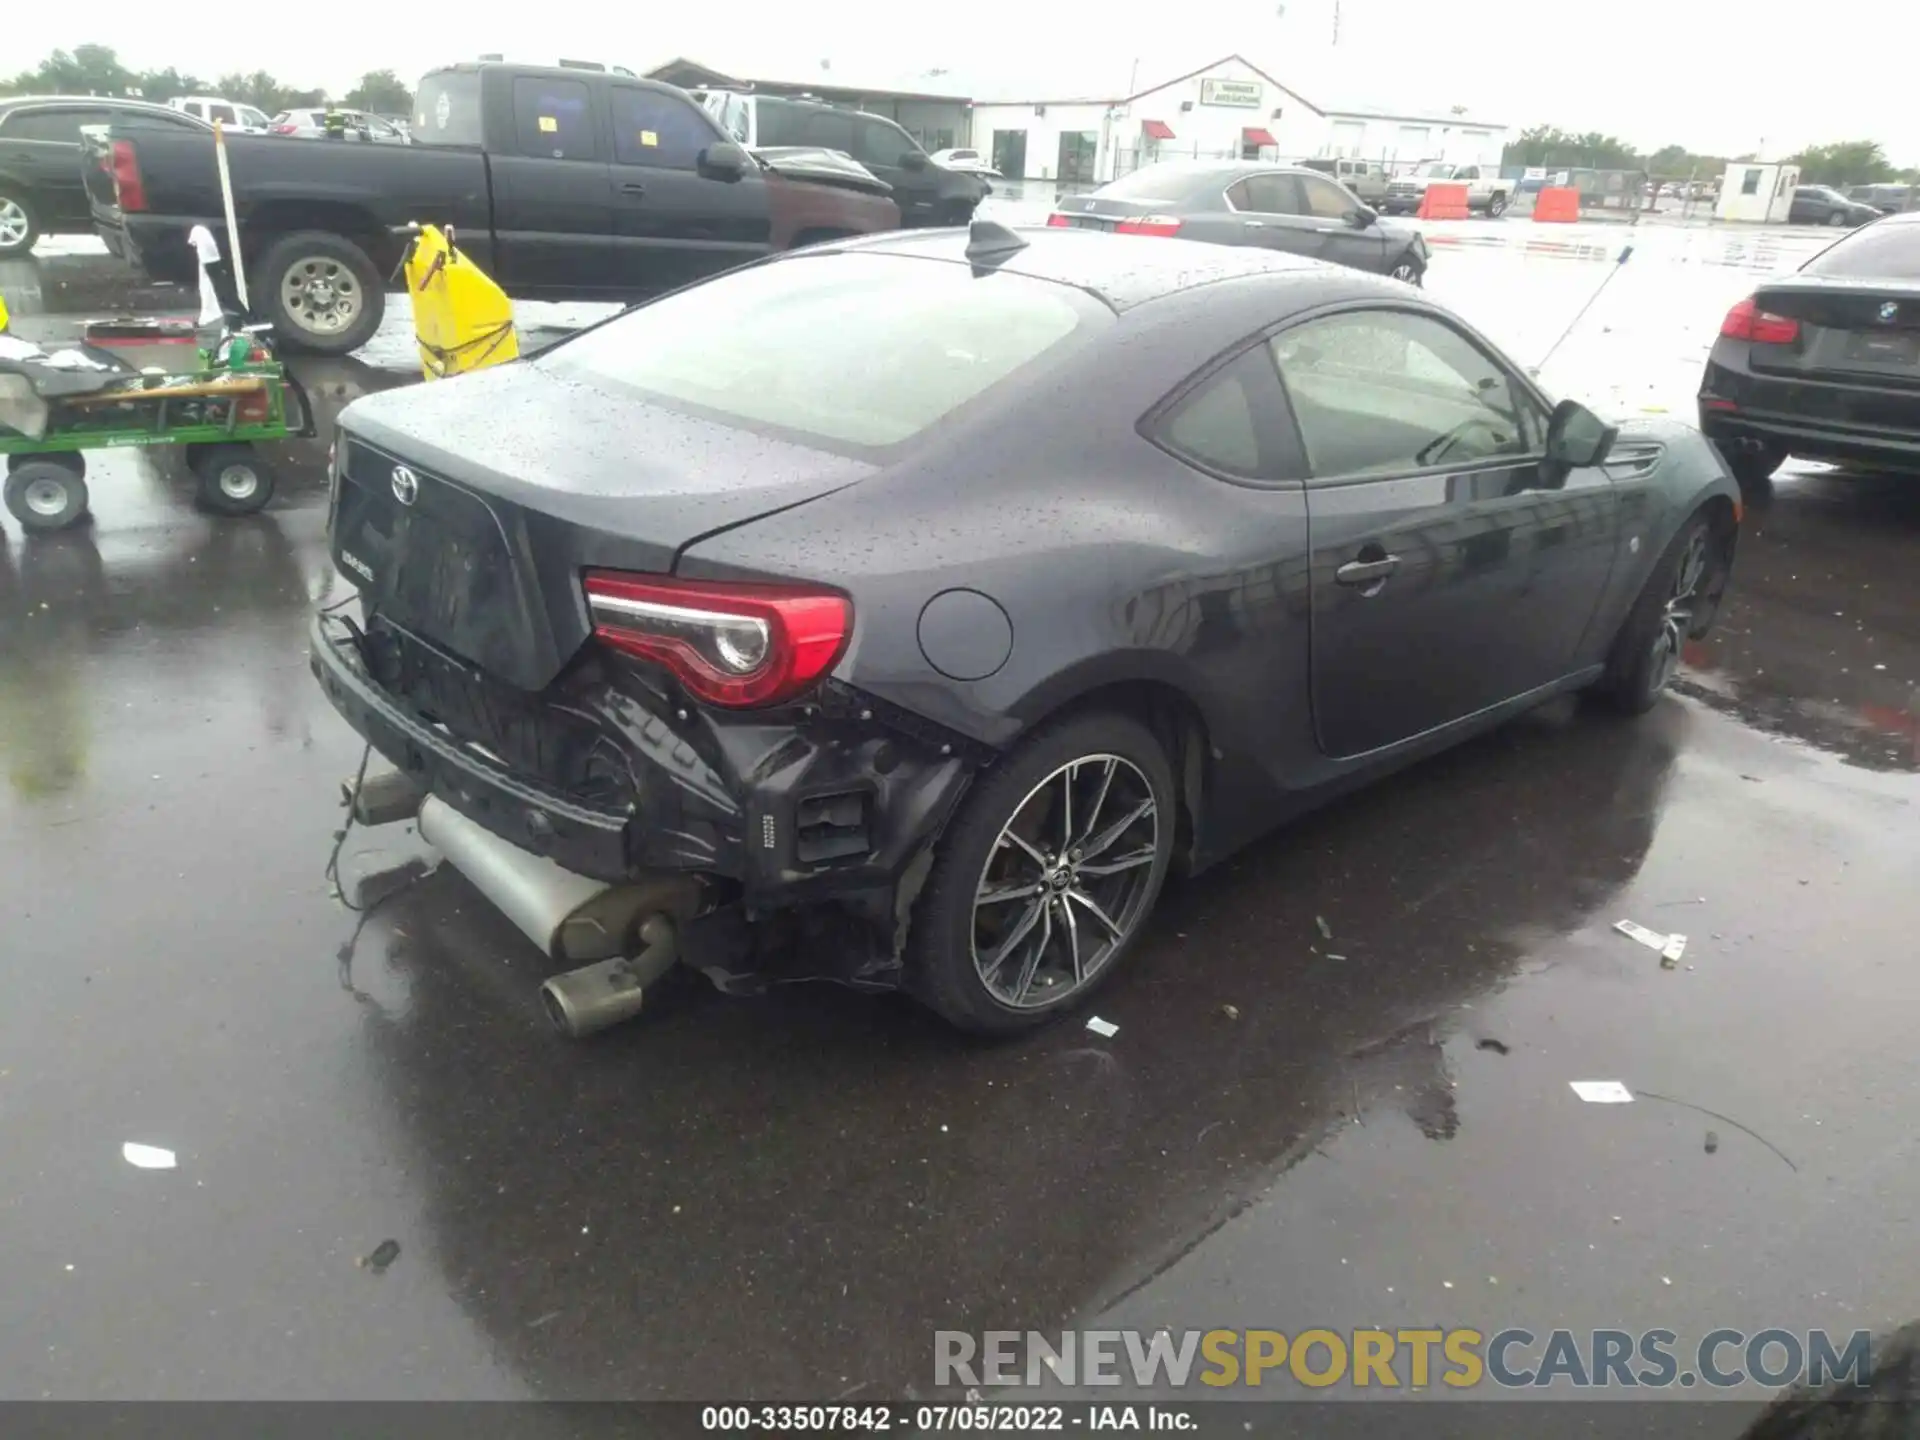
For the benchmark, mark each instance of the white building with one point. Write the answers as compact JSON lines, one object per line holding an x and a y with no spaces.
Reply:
{"x":1759,"y":193}
{"x":1230,"y":109}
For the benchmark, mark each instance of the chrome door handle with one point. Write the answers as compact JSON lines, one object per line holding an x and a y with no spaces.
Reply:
{"x":1366,"y":572}
{"x":1256,"y":224}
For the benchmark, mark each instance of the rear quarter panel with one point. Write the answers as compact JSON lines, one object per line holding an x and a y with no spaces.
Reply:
{"x":284,"y":183}
{"x":1113,"y":561}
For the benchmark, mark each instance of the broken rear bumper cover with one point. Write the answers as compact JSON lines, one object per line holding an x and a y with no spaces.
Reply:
{"x":833,"y":806}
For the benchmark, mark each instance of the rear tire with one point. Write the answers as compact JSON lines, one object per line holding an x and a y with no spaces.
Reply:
{"x":1018,"y":923}
{"x":232,"y":479}
{"x":1496,"y":206}
{"x":19,"y":226}
{"x":45,"y":497}
{"x":1753,"y":469}
{"x":74,"y":460}
{"x":1646,"y":652}
{"x":322,"y":291}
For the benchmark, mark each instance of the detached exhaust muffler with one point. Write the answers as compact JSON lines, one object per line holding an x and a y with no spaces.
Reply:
{"x":628,"y":931}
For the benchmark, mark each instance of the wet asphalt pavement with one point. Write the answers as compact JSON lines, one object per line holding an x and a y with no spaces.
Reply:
{"x":786,"y":1196}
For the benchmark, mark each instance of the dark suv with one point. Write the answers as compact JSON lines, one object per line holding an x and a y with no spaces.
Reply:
{"x":927,"y":193}
{"x":41,"y":183}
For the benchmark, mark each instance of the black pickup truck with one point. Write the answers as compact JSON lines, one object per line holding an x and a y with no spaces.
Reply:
{"x":560,"y":183}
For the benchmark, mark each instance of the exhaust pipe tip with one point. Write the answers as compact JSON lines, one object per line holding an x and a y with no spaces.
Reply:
{"x":596,"y":997}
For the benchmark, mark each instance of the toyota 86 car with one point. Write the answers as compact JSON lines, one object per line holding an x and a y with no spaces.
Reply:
{"x":931,"y":597}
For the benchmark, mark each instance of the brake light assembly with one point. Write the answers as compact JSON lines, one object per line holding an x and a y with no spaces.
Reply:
{"x":129,"y":190}
{"x":1162,"y":225}
{"x":283,"y":129}
{"x":732,"y":645}
{"x":1747,"y":321}
{"x":1058,"y":221}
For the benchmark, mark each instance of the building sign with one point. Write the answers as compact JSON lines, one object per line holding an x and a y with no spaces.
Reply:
{"x":1243,"y":93}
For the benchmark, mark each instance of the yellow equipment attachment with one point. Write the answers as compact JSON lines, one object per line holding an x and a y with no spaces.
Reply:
{"x":461,"y":319}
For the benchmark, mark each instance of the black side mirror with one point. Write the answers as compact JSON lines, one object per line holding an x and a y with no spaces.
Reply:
{"x":724,"y":161}
{"x":1362,"y":216}
{"x":913,"y":160}
{"x":1577,"y":438}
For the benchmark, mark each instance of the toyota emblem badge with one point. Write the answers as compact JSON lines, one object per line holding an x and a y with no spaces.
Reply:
{"x":1888,"y":311}
{"x":406,"y":485}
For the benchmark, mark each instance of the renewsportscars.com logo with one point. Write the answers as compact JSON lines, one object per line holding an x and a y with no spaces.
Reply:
{"x":1399,"y":1359}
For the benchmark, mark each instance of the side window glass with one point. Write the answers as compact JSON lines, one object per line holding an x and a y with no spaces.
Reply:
{"x":1217,"y":426}
{"x":878,"y":143}
{"x":553,"y":118}
{"x":1323,"y":199}
{"x":1386,"y":391}
{"x":654,"y":129}
{"x":830,"y":130}
{"x":1268,"y":195}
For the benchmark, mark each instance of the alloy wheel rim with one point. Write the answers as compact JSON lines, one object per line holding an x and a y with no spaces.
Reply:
{"x":322,"y":295}
{"x":13,"y":223}
{"x":1676,"y":616}
{"x":46,"y":497}
{"x":238,"y":482}
{"x":1405,"y":273}
{"x":1066,"y":882}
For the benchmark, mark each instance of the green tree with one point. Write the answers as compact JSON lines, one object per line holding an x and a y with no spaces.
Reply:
{"x":1547,"y":145}
{"x":381,"y":92}
{"x":161,"y":86}
{"x":88,"y":70}
{"x":1845,"y":162}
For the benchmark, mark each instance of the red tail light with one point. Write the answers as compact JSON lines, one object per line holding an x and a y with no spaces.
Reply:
{"x":128,"y":188}
{"x":732,"y":645}
{"x":1149,"y":225}
{"x":282,"y":129}
{"x":1747,"y":321}
{"x":1058,"y":221}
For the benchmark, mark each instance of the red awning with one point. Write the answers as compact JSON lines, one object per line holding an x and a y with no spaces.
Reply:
{"x":1156,"y":130}
{"x":1253,"y":135}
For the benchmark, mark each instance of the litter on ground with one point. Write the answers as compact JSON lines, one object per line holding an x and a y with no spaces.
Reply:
{"x":148,"y":1157}
{"x":1601,"y":1092}
{"x":1104,"y":1028}
{"x":1652,"y":939}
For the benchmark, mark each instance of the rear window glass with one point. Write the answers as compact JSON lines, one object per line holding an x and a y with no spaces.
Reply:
{"x":447,"y":111}
{"x":1875,"y":252}
{"x":859,"y":350}
{"x":1154,"y":182}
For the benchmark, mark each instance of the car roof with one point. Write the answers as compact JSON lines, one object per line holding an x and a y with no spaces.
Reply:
{"x":120,"y":102}
{"x":1122,"y":271}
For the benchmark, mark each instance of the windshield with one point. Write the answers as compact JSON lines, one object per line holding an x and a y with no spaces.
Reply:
{"x":251,"y":116}
{"x":447,"y":110}
{"x":862,"y":350}
{"x":1158,"y":182}
{"x":1875,"y":252}
{"x":1433,"y":170}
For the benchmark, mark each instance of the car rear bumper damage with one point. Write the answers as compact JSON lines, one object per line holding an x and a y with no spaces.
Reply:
{"x":816,"y":821}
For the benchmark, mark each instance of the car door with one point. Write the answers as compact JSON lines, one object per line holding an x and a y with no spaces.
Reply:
{"x":1343,"y":239}
{"x":47,"y":158}
{"x":672,"y":223}
{"x":1803,"y":208}
{"x":1453,"y":567}
{"x":890,"y":153}
{"x":552,"y":194}
{"x":1268,"y":211}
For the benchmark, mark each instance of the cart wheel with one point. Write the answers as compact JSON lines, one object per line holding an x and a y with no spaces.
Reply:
{"x":234,"y":480}
{"x":72,"y":459}
{"x":45,"y":496}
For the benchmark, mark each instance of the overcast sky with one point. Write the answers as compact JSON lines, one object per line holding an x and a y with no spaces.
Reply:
{"x":1714,"y":77}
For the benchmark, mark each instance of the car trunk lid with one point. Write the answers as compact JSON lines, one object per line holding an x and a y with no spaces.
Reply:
{"x":1849,"y":330}
{"x":466,"y":510}
{"x":1105,"y":212}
